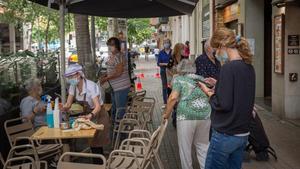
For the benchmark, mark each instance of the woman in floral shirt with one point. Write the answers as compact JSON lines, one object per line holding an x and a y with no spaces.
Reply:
{"x":193,"y":113}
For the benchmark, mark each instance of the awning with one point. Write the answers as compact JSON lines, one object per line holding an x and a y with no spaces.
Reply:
{"x":125,"y":8}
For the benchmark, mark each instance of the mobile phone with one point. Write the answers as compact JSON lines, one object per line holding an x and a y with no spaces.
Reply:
{"x":206,"y":84}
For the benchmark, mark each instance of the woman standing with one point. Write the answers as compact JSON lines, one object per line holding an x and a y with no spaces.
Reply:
{"x":87,"y":93}
{"x":193,"y":112}
{"x":177,"y":56}
{"x":232,"y":101}
{"x":118,"y":78}
{"x":162,"y":61}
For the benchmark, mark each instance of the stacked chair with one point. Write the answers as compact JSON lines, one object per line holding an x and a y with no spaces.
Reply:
{"x":139,"y":148}
{"x":139,"y":151}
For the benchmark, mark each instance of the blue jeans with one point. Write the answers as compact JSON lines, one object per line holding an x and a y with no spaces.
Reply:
{"x":119,"y":103}
{"x":164,"y":82}
{"x":225,"y":152}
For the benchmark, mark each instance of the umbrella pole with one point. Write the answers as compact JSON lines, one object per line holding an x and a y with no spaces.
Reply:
{"x":62,"y":50}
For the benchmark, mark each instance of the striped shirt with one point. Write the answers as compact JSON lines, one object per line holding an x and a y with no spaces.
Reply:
{"x":123,"y":81}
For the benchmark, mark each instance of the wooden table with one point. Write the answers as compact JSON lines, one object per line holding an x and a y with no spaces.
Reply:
{"x":45,"y":133}
{"x":107,"y":106}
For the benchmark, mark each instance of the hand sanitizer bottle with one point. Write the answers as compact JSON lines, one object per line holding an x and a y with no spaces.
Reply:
{"x":49,"y":113}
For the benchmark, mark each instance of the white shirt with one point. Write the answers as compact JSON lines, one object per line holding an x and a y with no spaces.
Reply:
{"x":91,"y":89}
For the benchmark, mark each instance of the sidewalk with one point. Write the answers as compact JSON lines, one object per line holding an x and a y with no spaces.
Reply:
{"x":284,"y":136}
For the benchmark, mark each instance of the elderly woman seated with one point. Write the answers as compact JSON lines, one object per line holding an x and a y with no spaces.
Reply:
{"x":32,"y":108}
{"x":193,"y":111}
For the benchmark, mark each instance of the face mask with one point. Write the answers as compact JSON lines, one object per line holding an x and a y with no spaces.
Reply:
{"x":223,"y":58}
{"x":73,"y":81}
{"x":111,"y":48}
{"x":167,"y":45}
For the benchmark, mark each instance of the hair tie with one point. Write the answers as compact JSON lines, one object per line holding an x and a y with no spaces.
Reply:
{"x":238,"y":38}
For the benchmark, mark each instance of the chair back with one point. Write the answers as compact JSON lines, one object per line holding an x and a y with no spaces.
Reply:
{"x":17,"y":151}
{"x":24,"y":162}
{"x":62,"y":164}
{"x":18,"y":127}
{"x":150,"y":148}
{"x":162,"y":131}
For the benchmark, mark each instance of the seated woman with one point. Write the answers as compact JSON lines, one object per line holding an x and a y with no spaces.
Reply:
{"x":87,"y":93}
{"x":193,"y":111}
{"x":32,"y":108}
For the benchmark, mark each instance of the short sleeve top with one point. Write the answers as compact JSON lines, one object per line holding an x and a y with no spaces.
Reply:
{"x":27,"y":106}
{"x":193,"y":103}
{"x":91,"y":89}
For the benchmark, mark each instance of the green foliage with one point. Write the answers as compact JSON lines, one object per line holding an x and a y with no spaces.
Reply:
{"x":45,"y":21}
{"x":139,"y":30}
{"x":101,"y":23}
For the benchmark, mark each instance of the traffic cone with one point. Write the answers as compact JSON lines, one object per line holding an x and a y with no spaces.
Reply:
{"x":157,"y":75}
{"x":139,"y":84}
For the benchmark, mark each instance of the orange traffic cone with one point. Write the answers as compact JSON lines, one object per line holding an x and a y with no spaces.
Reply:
{"x":139,"y":84}
{"x":157,"y":75}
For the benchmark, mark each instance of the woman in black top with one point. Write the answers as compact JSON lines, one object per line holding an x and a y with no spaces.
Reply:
{"x":232,"y":101}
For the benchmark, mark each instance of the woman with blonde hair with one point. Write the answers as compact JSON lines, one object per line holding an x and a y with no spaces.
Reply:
{"x":176,"y":57}
{"x":232,"y":101}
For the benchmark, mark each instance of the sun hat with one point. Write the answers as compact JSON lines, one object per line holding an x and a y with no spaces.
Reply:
{"x":73,"y":69}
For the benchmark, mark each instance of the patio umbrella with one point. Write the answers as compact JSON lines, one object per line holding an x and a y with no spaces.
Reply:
{"x":125,"y":8}
{"x":113,"y":8}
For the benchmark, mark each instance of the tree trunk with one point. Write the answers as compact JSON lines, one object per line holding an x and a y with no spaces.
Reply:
{"x":83,"y":44}
{"x":12,"y":38}
{"x":30,"y":35}
{"x":93,"y":38}
{"x":47,"y":35}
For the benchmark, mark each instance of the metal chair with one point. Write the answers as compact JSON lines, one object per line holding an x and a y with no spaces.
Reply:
{"x":139,"y":142}
{"x":127,"y":158}
{"x":21,"y":164}
{"x":126,"y":125}
{"x":19,"y":132}
{"x":141,"y":150}
{"x":62,"y":164}
{"x":16,"y":152}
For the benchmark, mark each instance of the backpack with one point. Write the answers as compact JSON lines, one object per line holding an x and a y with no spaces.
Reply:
{"x":258,"y":141}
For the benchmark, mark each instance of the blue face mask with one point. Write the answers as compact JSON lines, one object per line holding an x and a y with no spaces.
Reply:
{"x":73,"y":82}
{"x":167,"y":45}
{"x":222,"y":58}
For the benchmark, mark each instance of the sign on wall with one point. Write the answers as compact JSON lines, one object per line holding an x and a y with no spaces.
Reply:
{"x":293,"y":40}
{"x":279,"y":44}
